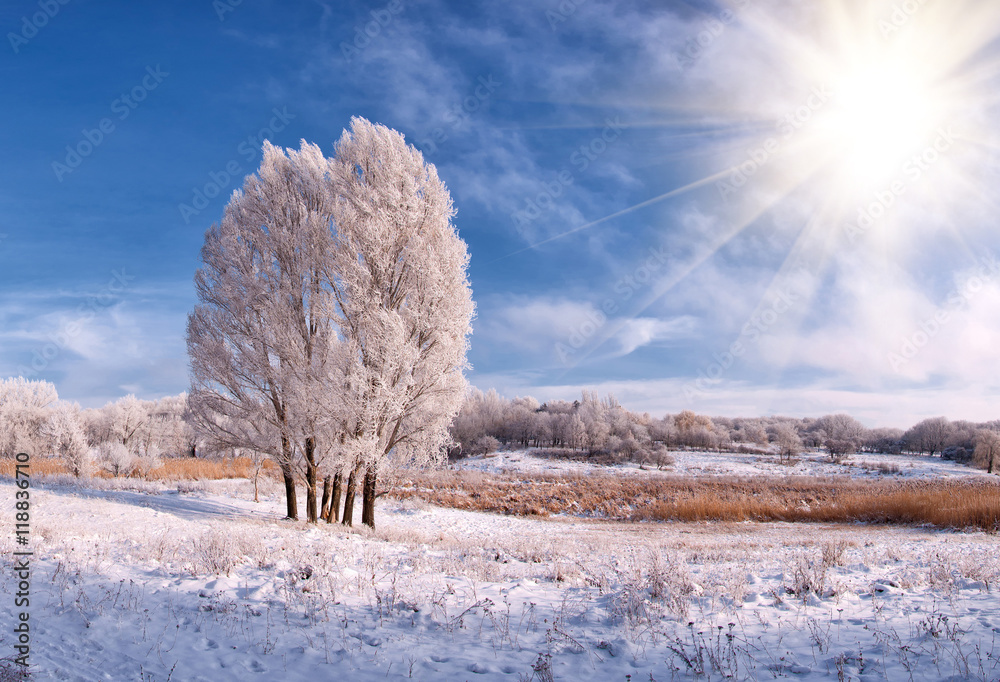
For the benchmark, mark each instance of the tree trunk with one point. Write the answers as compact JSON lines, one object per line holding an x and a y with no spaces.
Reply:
{"x":291,"y":504}
{"x":256,"y":478}
{"x":338,"y":485}
{"x":312,"y":474}
{"x":368,"y":496}
{"x":348,"y":519}
{"x":324,"y":508}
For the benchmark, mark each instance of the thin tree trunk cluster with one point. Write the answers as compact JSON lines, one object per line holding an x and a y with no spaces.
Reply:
{"x":331,"y":510}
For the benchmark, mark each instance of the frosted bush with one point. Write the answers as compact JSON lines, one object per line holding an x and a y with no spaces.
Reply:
{"x":80,"y":461}
{"x":144,"y":464}
{"x":115,"y":458}
{"x":484,"y":445}
{"x":220,"y":550}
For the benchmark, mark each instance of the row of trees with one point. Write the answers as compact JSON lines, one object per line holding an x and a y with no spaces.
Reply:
{"x":603,"y":426}
{"x":123,"y":436}
{"x":129,"y":436}
{"x":333,"y":316}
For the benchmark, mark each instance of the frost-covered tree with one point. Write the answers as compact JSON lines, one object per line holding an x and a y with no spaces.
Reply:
{"x":987,"y":452}
{"x":844,"y":434}
{"x":787,"y":440}
{"x":260,"y":335}
{"x":333,"y":314}
{"x":404,"y":304}
{"x":695,"y":430}
{"x":24,"y":408}
{"x":930,"y":435}
{"x":116,"y":458}
{"x":167,"y":430}
{"x":129,"y":422}
{"x":64,"y":431}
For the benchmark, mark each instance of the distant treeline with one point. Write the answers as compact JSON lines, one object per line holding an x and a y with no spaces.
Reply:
{"x":599,"y":426}
{"x":131,"y":434}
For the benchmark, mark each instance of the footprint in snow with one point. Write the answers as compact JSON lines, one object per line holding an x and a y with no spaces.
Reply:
{"x":480,"y":668}
{"x":256,"y":667}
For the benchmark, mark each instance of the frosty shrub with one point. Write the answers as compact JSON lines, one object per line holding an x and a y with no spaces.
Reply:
{"x":80,"y":461}
{"x":484,"y":445}
{"x":115,"y":458}
{"x":650,"y":587}
{"x":145,"y":463}
{"x":10,"y":671}
{"x":808,"y":577}
{"x":656,"y":455}
{"x":218,"y":551}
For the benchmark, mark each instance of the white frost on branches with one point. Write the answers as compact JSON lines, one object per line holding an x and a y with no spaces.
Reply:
{"x":334,"y":311}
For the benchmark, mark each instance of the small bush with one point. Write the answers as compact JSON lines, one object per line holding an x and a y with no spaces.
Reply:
{"x":116,"y":459}
{"x":484,"y":445}
{"x":144,"y":464}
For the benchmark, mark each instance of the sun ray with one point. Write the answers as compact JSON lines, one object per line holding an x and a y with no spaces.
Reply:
{"x":900,"y":134}
{"x":624,"y":211}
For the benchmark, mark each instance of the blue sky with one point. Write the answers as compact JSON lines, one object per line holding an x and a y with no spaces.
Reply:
{"x":740,"y":208}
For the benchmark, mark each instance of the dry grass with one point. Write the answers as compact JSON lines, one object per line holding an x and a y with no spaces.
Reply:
{"x":172,"y":469}
{"x":197,"y":469}
{"x":38,"y":466}
{"x":946,"y":504}
{"x":964,"y":504}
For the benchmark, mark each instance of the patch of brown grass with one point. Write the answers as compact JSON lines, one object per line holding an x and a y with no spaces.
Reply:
{"x":173,"y":468}
{"x":950,"y":504}
{"x":195,"y":468}
{"x":37,"y":466}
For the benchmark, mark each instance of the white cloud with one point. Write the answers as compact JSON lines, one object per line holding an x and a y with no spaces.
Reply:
{"x":556,"y":330}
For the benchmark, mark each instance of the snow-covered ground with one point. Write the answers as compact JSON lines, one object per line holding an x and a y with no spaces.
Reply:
{"x":699,"y":463}
{"x":207,"y":585}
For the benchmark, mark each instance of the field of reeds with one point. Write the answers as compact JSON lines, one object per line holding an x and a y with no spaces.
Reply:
{"x":950,"y":503}
{"x":946,"y":503}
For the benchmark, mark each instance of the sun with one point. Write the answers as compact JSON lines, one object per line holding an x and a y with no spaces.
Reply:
{"x":882,"y":112}
{"x":859,"y":117}
{"x":865,"y":114}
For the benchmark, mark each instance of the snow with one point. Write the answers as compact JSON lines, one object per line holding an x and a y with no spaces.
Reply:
{"x":701,"y":463}
{"x":128,"y":584}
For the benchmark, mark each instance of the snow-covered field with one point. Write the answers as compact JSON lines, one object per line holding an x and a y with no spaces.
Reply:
{"x":700,"y":463}
{"x":206,"y":585}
